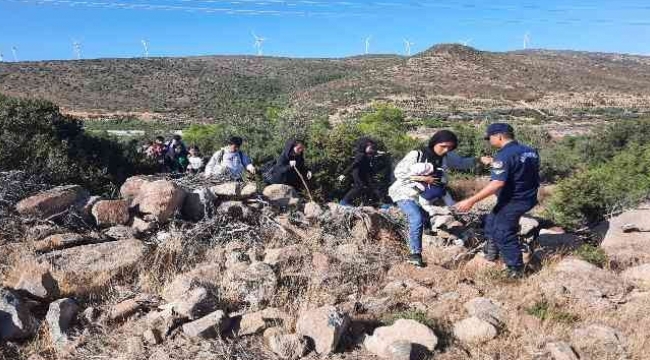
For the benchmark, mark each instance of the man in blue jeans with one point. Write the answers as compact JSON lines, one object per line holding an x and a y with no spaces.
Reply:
{"x":515,"y":181}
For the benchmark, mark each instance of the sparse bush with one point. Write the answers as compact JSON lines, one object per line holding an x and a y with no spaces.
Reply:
{"x":544,"y":311}
{"x":592,"y":254}
{"x":417,"y":315}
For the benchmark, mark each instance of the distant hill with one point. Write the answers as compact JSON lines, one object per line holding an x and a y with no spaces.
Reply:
{"x":214,"y":87}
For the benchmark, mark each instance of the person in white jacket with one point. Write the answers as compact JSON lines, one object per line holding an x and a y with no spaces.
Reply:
{"x":406,"y":189}
{"x":230,"y":161}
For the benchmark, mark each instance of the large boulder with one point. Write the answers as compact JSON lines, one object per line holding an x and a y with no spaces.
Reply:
{"x":281,"y":195}
{"x":209,"y":326}
{"x":599,"y":342}
{"x":383,"y":340}
{"x":133,"y":186}
{"x":195,"y":304}
{"x":37,"y":282}
{"x":638,"y":275}
{"x":626,"y":249}
{"x":578,"y":280}
{"x":234,"y":190}
{"x":111,"y":212}
{"x":52,"y":202}
{"x":324,"y":326}
{"x":60,"y":317}
{"x":16,"y":321}
{"x":474,"y":330}
{"x":198,"y":204}
{"x":159,"y":199}
{"x":87,"y":267}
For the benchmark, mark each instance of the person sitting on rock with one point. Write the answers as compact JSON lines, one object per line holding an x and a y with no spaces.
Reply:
{"x":290,"y":166}
{"x":195,"y":160}
{"x":230,"y":161}
{"x":363,"y":171}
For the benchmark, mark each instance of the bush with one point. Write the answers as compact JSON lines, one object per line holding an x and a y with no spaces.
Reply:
{"x":592,"y":254}
{"x":37,"y":138}
{"x":545,"y":311}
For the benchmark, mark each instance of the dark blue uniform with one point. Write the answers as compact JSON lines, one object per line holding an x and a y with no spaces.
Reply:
{"x":518,"y":166}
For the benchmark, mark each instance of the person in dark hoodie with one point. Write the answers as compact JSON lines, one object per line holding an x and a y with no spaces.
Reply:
{"x":291,"y":161}
{"x":363,"y":171}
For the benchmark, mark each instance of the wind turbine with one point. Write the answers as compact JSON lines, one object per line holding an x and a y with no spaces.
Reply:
{"x":145,"y":45}
{"x":14,"y":50}
{"x":526,"y":40}
{"x":259,"y":41}
{"x":368,"y":44}
{"x":76,"y":48}
{"x":407,"y":45}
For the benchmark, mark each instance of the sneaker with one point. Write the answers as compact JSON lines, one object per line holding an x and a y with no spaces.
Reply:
{"x":514,"y":273}
{"x":491,"y":250}
{"x":416,"y":260}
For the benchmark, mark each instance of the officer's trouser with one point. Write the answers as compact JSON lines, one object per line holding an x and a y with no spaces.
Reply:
{"x":502,"y":226}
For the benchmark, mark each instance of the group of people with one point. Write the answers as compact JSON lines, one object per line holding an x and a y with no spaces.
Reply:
{"x":419,"y":181}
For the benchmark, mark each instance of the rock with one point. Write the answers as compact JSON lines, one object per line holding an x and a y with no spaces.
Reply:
{"x":628,"y":249}
{"x":111,"y":212}
{"x":599,"y":342}
{"x":134,"y":348}
{"x":120,"y":232}
{"x":91,"y":314}
{"x":87,"y":208}
{"x":579,"y":280}
{"x":442,"y":221}
{"x":160,"y":199}
{"x":324,"y":326}
{"x":389,"y":341}
{"x":409,"y":288}
{"x":16,"y":320}
{"x":234,"y":190}
{"x":60,"y":317}
{"x":486,"y":310}
{"x":257,"y":322}
{"x":209,"y":326}
{"x":638,"y":275}
{"x":152,"y":337}
{"x":479,"y":264}
{"x":445,"y":256}
{"x":123,"y":310}
{"x":234,"y":209}
{"x":194,"y":304}
{"x":281,"y":195}
{"x":367,"y":226}
{"x":141,"y":226}
{"x":197,"y":204}
{"x":38,"y":232}
{"x":207,"y":275}
{"x":474,"y":331}
{"x":37,"y":282}
{"x":255,"y":284}
{"x":62,"y":241}
{"x":133,"y":186}
{"x":52,"y":202}
{"x":560,"y":350}
{"x":163,"y":322}
{"x":527,"y":225}
{"x":401,"y":350}
{"x":86,"y":267}
{"x":288,"y":255}
{"x":313,"y":210}
{"x":285,"y":346}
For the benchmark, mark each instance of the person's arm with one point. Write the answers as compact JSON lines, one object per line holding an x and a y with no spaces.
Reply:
{"x":403,"y":169}
{"x":498,"y":175}
{"x":456,"y":162}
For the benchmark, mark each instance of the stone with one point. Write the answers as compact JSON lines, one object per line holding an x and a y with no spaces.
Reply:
{"x":198,"y":204}
{"x":474,"y":331}
{"x":234,"y":190}
{"x":84,"y":268}
{"x":599,"y":342}
{"x":527,"y":225}
{"x":123,"y":310}
{"x":194,"y":304}
{"x":486,"y":310}
{"x":133,"y":185}
{"x":91,"y":314}
{"x":285,"y":256}
{"x":16,"y":320}
{"x":209,"y":326}
{"x":87,"y":208}
{"x":313,"y":210}
{"x":255,"y":284}
{"x":445,"y":256}
{"x":257,"y":322}
{"x":60,"y":318}
{"x":111,"y":212}
{"x":480,"y":264}
{"x":626,"y":249}
{"x":287,"y":346}
{"x":160,"y":199}
{"x":581,"y":281}
{"x":52,"y":202}
{"x":163,"y":322}
{"x":134,"y":347}
{"x":389,"y":341}
{"x":152,"y":337}
{"x":141,"y":226}
{"x":206,"y":275}
{"x":281,"y":195}
{"x":560,"y":350}
{"x":234,"y":209}
{"x":638,"y":275}
{"x":62,"y":241}
{"x":38,"y":232}
{"x":325,"y":326}
{"x":37,"y":282}
{"x":120,"y":232}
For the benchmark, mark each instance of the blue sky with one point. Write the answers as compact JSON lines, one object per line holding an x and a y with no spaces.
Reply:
{"x":45,"y":29}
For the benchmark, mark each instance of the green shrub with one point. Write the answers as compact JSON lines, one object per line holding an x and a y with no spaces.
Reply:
{"x":592,"y":254}
{"x":417,"y":315}
{"x":545,"y":311}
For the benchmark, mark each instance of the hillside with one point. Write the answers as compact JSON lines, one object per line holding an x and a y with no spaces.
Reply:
{"x":434,"y":83}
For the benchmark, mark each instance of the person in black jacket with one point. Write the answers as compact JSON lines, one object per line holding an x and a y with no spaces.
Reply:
{"x":363,"y":170}
{"x":289,"y":163}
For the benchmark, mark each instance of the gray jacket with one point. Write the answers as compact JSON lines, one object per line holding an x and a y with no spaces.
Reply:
{"x":404,"y":188}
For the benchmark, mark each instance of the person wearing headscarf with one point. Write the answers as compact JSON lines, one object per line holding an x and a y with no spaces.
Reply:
{"x":408,"y":188}
{"x":289,"y":164}
{"x":363,"y":171}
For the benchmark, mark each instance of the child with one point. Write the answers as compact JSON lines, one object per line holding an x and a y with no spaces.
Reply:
{"x":429,"y":193}
{"x":195,"y":160}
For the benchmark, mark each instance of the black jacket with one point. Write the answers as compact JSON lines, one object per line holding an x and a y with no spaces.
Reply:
{"x":363,"y":167}
{"x":282,"y":172}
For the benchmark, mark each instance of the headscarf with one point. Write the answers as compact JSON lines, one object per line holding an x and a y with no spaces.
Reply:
{"x":441,"y":136}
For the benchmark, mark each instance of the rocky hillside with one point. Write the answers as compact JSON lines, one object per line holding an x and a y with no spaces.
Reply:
{"x":188,"y":269}
{"x":441,"y":81}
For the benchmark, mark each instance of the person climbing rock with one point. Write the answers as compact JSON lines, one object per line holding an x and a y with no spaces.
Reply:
{"x":363,"y":171}
{"x":289,"y":164}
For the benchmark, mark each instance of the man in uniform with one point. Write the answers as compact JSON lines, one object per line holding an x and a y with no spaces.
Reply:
{"x":515,"y":181}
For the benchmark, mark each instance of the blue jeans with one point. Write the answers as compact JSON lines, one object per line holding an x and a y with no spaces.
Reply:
{"x":417,"y":219}
{"x":502,"y":226}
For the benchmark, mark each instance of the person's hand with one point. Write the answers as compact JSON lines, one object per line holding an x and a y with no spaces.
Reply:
{"x":464,"y":206}
{"x":292,"y":163}
{"x":431,"y":180}
{"x":309,"y":175}
{"x":341,"y":178}
{"x":486,"y":160}
{"x":251,"y":169}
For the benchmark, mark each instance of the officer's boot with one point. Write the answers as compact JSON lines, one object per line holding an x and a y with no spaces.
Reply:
{"x":491,"y":250}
